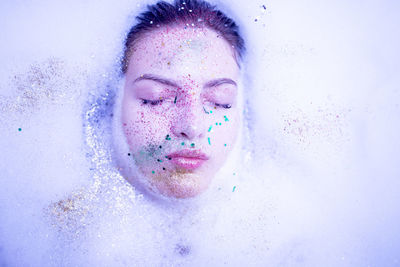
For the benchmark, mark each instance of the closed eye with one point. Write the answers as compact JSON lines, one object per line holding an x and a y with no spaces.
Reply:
{"x":226,"y":106}
{"x":151,"y":102}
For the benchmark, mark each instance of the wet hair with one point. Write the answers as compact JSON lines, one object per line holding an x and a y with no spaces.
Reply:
{"x":187,"y":12}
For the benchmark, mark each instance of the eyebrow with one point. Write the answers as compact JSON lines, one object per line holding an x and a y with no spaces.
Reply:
{"x":168,"y":82}
{"x":220,"y":81}
{"x":156,"y":78}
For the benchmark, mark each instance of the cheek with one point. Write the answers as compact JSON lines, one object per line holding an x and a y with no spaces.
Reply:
{"x":143,"y":128}
{"x":223,"y":133}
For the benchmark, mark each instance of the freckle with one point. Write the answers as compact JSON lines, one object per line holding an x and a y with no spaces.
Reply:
{"x":19,"y":129}
{"x":129,"y":154}
{"x":163,"y":168}
{"x":216,"y":123}
{"x":159,"y":160}
{"x":153,"y":172}
{"x":160,"y":146}
{"x":192,"y":144}
{"x":183,"y":143}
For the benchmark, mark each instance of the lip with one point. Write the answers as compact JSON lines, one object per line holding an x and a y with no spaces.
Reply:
{"x":188,"y":159}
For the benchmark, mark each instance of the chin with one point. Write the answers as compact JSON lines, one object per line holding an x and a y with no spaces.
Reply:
{"x":180,"y":184}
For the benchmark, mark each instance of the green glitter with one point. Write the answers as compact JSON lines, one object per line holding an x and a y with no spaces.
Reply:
{"x":219,"y":123}
{"x":159,"y":160}
{"x":209,"y":142}
{"x":216,"y":123}
{"x":19,"y":129}
{"x":183,"y":143}
{"x":209,"y":129}
{"x":233,"y":190}
{"x":226,"y":119}
{"x":224,"y":144}
{"x":153,"y":172}
{"x":192,"y":144}
{"x":167,"y":137}
{"x":210,"y":111}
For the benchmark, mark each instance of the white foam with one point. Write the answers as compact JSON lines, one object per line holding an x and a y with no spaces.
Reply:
{"x":320,"y":186}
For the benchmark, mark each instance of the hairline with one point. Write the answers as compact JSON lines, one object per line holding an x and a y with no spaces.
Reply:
{"x":146,"y":33}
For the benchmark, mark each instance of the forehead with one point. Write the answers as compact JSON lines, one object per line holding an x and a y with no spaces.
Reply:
{"x":182,"y":50}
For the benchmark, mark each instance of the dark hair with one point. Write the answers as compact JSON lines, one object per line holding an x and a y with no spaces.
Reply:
{"x":191,"y":12}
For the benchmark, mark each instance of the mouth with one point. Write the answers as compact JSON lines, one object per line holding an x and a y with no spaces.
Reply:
{"x":188,"y":159}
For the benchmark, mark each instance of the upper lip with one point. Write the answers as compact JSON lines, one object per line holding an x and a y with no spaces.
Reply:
{"x":186,"y":153}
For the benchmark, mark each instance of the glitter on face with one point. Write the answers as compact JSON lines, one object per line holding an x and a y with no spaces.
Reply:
{"x":174,"y":124}
{"x":233,"y":190}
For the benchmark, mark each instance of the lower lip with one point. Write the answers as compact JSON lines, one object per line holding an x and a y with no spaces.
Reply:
{"x":188,"y":163}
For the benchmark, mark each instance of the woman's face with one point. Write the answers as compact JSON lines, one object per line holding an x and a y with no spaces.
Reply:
{"x":180,"y":112}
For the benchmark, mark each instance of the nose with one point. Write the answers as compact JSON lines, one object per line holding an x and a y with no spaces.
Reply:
{"x":189,"y":122}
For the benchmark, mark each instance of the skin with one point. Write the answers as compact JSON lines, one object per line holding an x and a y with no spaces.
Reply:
{"x":179,"y":84}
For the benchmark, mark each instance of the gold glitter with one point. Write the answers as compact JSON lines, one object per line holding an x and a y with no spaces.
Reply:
{"x":44,"y":83}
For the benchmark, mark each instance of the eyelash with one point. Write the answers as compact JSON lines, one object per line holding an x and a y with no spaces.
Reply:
{"x":157,"y":102}
{"x":151,"y":102}
{"x":226,"y":106}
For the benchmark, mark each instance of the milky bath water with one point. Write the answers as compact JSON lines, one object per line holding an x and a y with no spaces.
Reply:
{"x":313,"y":180}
